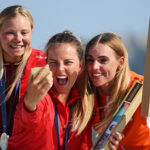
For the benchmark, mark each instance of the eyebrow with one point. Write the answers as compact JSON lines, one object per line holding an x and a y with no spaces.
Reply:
{"x":51,"y":59}
{"x":56,"y":60}
{"x":92,"y":56}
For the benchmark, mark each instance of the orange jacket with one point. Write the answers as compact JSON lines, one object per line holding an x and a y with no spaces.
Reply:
{"x":137,"y":131}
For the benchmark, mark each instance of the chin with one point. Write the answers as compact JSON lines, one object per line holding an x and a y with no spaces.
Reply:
{"x":98,"y":84}
{"x":62,"y":91}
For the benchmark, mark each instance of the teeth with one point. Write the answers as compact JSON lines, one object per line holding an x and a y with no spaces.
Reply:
{"x":18,"y":46}
{"x":61,"y":77}
{"x":96,"y":75}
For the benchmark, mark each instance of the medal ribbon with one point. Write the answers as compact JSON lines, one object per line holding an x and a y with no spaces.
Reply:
{"x":3,"y":102}
{"x":57,"y":128}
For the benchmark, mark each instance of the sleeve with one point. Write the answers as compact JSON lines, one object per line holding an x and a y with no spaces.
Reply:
{"x":31,"y":119}
{"x":86,"y":144}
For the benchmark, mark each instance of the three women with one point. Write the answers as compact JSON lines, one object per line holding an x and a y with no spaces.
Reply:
{"x":60,"y":118}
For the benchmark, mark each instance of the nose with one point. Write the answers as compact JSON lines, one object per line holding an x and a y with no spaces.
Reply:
{"x":96,"y":65}
{"x":18,"y":37}
{"x":61,"y":66}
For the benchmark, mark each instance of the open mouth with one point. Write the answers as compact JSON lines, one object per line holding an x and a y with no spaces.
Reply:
{"x":98,"y":74}
{"x":16,"y":46}
{"x":61,"y":80}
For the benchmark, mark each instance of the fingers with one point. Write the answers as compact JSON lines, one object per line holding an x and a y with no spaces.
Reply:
{"x":39,"y":73}
{"x":117,"y":135}
{"x":114,"y":140}
{"x":30,"y":78}
{"x":112,"y":147}
{"x":46,"y":83}
{"x":38,"y":87}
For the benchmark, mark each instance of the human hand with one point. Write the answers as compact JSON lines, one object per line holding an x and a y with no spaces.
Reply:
{"x":114,"y":140}
{"x":37,"y":88}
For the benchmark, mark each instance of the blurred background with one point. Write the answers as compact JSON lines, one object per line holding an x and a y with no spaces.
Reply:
{"x":87,"y":18}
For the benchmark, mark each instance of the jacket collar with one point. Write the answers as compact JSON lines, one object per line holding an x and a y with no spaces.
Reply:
{"x":74,"y":95}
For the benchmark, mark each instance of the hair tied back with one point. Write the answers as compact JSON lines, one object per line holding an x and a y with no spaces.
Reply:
{"x":67,"y":32}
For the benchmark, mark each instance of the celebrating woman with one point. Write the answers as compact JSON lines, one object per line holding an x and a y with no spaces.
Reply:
{"x":55,"y":119}
{"x":16,"y":59}
{"x":110,"y":76}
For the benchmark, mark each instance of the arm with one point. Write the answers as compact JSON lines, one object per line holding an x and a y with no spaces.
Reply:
{"x":31,"y":119}
{"x":37,"y":89}
{"x":35,"y":100}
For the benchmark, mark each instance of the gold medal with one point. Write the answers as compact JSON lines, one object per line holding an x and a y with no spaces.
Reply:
{"x":4,"y":141}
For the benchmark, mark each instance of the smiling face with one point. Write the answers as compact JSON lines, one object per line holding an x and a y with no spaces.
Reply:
{"x":65,"y":65}
{"x":102,"y":65}
{"x":15,"y":36}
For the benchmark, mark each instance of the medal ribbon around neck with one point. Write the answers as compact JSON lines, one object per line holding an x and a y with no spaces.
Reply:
{"x":3,"y":102}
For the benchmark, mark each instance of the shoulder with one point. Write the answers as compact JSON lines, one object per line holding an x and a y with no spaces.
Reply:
{"x":134,"y":76}
{"x":38,"y":54}
{"x":37,"y":58}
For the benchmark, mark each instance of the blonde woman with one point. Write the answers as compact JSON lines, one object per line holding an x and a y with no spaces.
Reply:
{"x":16,"y":59}
{"x":110,"y":76}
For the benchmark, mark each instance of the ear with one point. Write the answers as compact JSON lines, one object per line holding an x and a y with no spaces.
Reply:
{"x":82,"y":63}
{"x":121,"y":62}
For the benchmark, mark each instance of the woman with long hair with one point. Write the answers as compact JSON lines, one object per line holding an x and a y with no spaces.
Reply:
{"x":55,"y":114}
{"x":110,"y":77}
{"x":16,"y":59}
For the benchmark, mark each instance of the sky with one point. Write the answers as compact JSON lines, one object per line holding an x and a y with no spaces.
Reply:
{"x":85,"y":18}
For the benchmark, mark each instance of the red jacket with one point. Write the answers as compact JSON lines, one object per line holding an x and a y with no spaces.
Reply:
{"x":37,"y":130}
{"x":36,"y":58}
{"x":137,"y":131}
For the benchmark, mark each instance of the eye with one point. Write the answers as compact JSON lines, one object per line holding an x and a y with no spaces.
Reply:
{"x":102,"y":60}
{"x":24,"y":33}
{"x":68,"y":62}
{"x":52,"y":63}
{"x":89,"y":60}
{"x":9,"y":32}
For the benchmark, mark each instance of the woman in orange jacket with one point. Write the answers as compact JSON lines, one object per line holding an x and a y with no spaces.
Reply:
{"x":109,"y":74}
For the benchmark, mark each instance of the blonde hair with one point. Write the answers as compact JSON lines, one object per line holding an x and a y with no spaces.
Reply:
{"x":82,"y":109}
{"x":122,"y":77}
{"x":8,"y":13}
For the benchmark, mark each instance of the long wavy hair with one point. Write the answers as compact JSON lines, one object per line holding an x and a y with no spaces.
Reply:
{"x":122,"y":77}
{"x":81,"y":109}
{"x":6,"y":14}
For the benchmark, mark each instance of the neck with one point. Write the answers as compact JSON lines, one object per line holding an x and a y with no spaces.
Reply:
{"x":11,"y":61}
{"x":62,"y":97}
{"x":104,"y":91}
{"x":107,"y":88}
